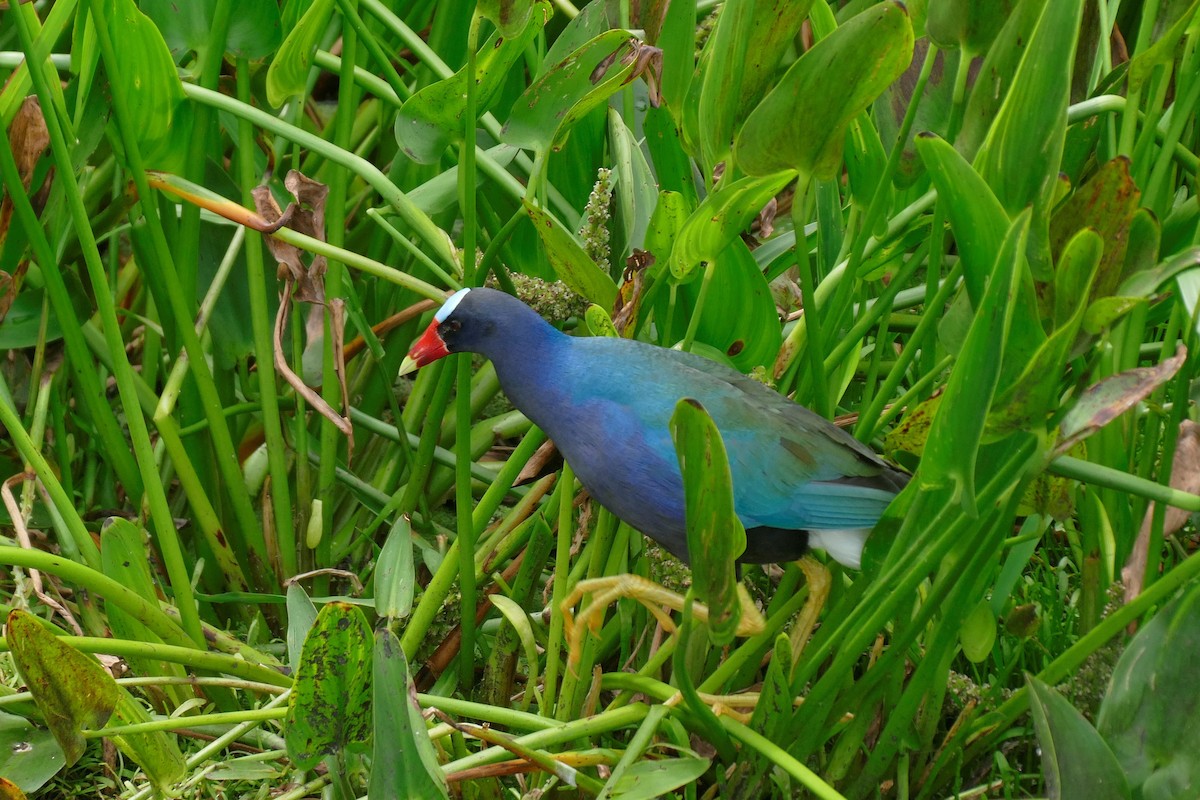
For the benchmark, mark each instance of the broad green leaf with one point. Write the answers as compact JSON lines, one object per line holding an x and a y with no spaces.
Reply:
{"x":715,"y":534}
{"x":865,"y":162}
{"x":977,"y":634}
{"x":1102,"y":313}
{"x":1141,"y":66}
{"x":1077,"y":762}
{"x":395,"y":574}
{"x":29,"y":755}
{"x":976,"y":217}
{"x":1106,"y":204}
{"x":509,"y":16}
{"x":1022,"y":155}
{"x":677,"y":38}
{"x":739,"y":61}
{"x":255,"y":27}
{"x":634,"y":190}
{"x":1151,"y":714}
{"x":738,"y":317}
{"x":673,"y":167}
{"x":570,"y":262}
{"x":1148,"y":282}
{"x":996,"y":74}
{"x":433,"y":117}
{"x":933,"y":109}
{"x":968,"y":24}
{"x":156,"y":752}
{"x":287,"y":76}
{"x":329,"y":709}
{"x":599,"y":323}
{"x":148,"y":74}
{"x":542,"y":118}
{"x":801,"y":124}
{"x":720,"y":219}
{"x":955,"y":435}
{"x":646,"y":779}
{"x":775,"y":707}
{"x":1026,"y":403}
{"x":73,"y":692}
{"x":404,"y":763}
{"x":301,"y":614}
{"x":670,"y":214}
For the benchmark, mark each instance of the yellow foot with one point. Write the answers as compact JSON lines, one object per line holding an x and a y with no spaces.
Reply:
{"x":606,"y":591}
{"x":817,"y":577}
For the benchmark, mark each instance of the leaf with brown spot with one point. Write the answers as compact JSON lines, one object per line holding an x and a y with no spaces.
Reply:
{"x":1111,"y":397}
{"x":73,"y":692}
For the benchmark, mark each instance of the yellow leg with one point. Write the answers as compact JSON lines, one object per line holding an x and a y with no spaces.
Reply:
{"x":817,"y":577}
{"x":606,"y":591}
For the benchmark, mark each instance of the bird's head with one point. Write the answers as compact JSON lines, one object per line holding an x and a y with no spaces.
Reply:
{"x":471,"y":320}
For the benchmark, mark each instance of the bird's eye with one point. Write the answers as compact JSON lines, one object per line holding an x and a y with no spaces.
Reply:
{"x":453,"y":325}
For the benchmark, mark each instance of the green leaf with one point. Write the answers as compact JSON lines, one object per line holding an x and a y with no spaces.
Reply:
{"x":571,"y":263}
{"x":740,"y":60}
{"x":720,"y":219}
{"x":978,"y":633}
{"x":634,"y":190}
{"x":1022,"y":154}
{"x":773,"y":712}
{"x":255,"y":27}
{"x":1151,"y":715}
{"x":1077,"y":762}
{"x":329,"y":709}
{"x":404,"y":763}
{"x":287,"y":76}
{"x":395,"y":573}
{"x":156,"y":752}
{"x":968,"y":24}
{"x":599,"y":323}
{"x":957,"y":430}
{"x":148,"y":74}
{"x":715,"y":534}
{"x":543,"y":116}
{"x":72,"y":691}
{"x":29,"y":755}
{"x":433,"y":117}
{"x":509,"y":16}
{"x":646,"y":779}
{"x":801,"y":124}
{"x":301,"y":614}
{"x":738,"y":319}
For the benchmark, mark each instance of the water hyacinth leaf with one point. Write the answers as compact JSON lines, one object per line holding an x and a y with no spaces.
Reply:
{"x":1148,"y":282}
{"x":156,"y":752}
{"x":773,"y":712}
{"x":865,"y":162}
{"x":509,"y":16}
{"x":713,"y":527}
{"x":72,"y":691}
{"x":520,"y":622}
{"x":255,"y":31}
{"x":571,"y":263}
{"x":301,"y":614}
{"x":433,"y":117}
{"x":405,"y":763}
{"x":1027,"y":401}
{"x":1162,"y":52}
{"x":1078,"y":763}
{"x":996,"y":74}
{"x":933,"y":110}
{"x":1102,"y":313}
{"x":634,"y":191}
{"x":287,"y":76}
{"x":720,"y":219}
{"x":677,"y":38}
{"x":965,"y":23}
{"x":29,"y":755}
{"x":646,"y":779}
{"x":148,"y":74}
{"x":955,"y":434}
{"x":1022,"y":154}
{"x":1151,"y":714}
{"x":742,"y":324}
{"x":1106,"y":204}
{"x":740,"y":59}
{"x":598,"y":321}
{"x":395,"y":573}
{"x":329,"y":709}
{"x":1111,"y":397}
{"x":977,"y":634}
{"x":801,"y":124}
{"x":976,"y":217}
{"x":543,"y":116}
{"x":670,"y":214}
{"x":674,"y":169}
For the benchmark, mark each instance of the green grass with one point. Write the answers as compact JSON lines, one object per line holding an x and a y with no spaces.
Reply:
{"x":961,"y":290}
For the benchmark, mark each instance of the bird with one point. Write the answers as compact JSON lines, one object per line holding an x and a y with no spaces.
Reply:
{"x":799,"y":481}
